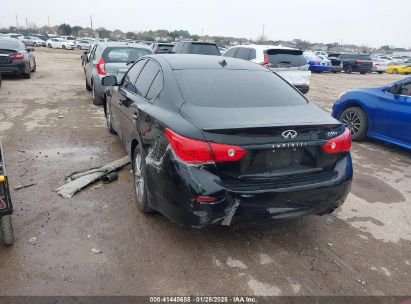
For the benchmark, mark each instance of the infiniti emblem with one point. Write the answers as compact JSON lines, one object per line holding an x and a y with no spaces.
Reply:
{"x":289,"y":134}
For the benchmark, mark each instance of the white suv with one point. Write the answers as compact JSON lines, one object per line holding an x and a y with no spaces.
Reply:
{"x":289,"y":63}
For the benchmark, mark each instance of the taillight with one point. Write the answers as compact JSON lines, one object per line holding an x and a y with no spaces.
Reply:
{"x":341,"y":143}
{"x":197,"y":151}
{"x":266,"y":61}
{"x":101,"y":67}
{"x":360,"y":62}
{"x":16,"y":56}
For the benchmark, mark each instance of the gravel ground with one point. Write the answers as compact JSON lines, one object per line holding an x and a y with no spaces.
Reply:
{"x":50,"y":129}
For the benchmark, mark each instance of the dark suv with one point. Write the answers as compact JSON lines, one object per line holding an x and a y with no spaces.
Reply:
{"x":361,"y":63}
{"x":201,"y":48}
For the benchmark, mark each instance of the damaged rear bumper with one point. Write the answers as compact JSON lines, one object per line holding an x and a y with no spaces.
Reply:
{"x":173,"y":187}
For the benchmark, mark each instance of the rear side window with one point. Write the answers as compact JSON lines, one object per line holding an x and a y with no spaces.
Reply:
{"x":156,"y":86}
{"x":231,"y":52}
{"x":131,"y":76}
{"x":204,"y":49}
{"x":146,"y":78}
{"x":243,"y":53}
{"x":236,"y":88}
{"x":286,"y":58}
{"x":123,"y":54}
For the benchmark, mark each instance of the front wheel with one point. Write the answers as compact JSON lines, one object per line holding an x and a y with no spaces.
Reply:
{"x":7,"y":230}
{"x":140,"y":186}
{"x":395,"y":71}
{"x":109,"y":119}
{"x":348,"y":69}
{"x":49,"y":46}
{"x":63,"y":47}
{"x":356,"y":120}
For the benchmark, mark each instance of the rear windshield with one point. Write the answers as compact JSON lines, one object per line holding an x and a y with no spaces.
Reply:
{"x":236,"y":88}
{"x":124,"y":54}
{"x":286,"y":58}
{"x":7,"y":44}
{"x":204,"y":49}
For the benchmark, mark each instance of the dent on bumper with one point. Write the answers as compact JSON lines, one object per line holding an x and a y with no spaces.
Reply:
{"x":173,"y":195}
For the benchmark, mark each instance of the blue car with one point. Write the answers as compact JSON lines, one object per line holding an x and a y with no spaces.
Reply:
{"x":383,"y":113}
{"x":318,"y":63}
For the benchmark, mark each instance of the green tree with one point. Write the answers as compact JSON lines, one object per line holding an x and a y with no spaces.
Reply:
{"x":65,"y":29}
{"x":103,"y":33}
{"x":75,"y":30}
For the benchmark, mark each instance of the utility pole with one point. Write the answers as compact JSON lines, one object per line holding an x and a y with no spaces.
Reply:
{"x":27,"y":24}
{"x":48,"y":21}
{"x":91,"y":22}
{"x":262,"y":37}
{"x":202,"y":32}
{"x":17,"y":21}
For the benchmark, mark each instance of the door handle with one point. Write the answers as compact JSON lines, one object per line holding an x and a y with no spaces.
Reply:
{"x":135,"y":116}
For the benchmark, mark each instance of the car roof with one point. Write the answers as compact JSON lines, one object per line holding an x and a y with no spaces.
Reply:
{"x":194,"y":61}
{"x":265,"y":47}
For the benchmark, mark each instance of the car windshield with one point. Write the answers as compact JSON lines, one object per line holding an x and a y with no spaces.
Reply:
{"x":124,"y":55}
{"x":205,"y":49}
{"x":236,"y":88}
{"x":286,"y":58}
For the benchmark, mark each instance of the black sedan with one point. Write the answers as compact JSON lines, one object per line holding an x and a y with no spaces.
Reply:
{"x":224,"y":141}
{"x":15,"y":58}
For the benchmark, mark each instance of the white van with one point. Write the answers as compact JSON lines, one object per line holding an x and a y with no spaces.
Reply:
{"x":289,"y":63}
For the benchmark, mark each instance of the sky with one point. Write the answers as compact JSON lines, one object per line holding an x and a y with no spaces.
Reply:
{"x":363,"y":22}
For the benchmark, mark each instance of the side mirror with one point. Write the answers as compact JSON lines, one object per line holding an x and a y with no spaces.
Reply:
{"x":109,"y":81}
{"x":84,"y":57}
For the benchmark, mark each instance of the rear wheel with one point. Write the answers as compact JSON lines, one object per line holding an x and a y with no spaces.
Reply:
{"x":79,"y":47}
{"x":63,"y":47}
{"x":362,"y":73}
{"x":35,"y":67}
{"x":355,"y":119}
{"x":395,"y":71}
{"x":7,"y":230}
{"x":27,"y":75}
{"x":139,"y":173}
{"x":49,"y":45}
{"x":88,"y":88}
{"x":97,"y":100}
{"x":35,"y":44}
{"x":380,"y":72}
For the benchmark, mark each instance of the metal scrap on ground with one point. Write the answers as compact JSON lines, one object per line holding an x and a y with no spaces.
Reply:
{"x":80,"y":180}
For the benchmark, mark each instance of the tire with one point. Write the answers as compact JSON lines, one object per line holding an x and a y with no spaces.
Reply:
{"x":7,"y":230}
{"x":348,"y":69}
{"x":35,"y":44}
{"x":28,"y":74}
{"x":356,"y":120}
{"x":97,"y":100}
{"x":380,"y":72}
{"x":35,"y":67}
{"x":139,"y":180}
{"x":49,"y":46}
{"x":63,"y":47}
{"x":362,"y":73}
{"x":109,"y":118}
{"x":88,"y":88}
{"x":79,"y":47}
{"x":395,"y":71}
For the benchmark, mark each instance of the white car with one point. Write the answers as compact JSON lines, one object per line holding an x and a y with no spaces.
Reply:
{"x":379,"y":65}
{"x":58,"y":43}
{"x":289,"y":63}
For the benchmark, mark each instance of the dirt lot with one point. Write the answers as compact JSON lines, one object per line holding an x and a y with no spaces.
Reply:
{"x":50,"y":129}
